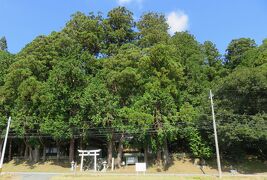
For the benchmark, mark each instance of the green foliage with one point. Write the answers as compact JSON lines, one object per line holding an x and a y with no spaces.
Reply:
{"x":214,"y":68}
{"x":6,"y":59}
{"x":198,"y":147}
{"x":3,"y":44}
{"x":118,"y":29}
{"x":244,"y":91}
{"x":63,"y":91}
{"x":153,"y":29}
{"x":114,"y":75}
{"x":236,"y":50}
{"x":87,"y":31}
{"x":242,"y":107}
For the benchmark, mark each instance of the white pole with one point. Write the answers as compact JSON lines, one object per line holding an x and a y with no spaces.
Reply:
{"x":81,"y":168}
{"x":112,"y":164}
{"x":4,"y":148}
{"x":95,"y":161}
{"x":75,"y":168}
{"x":215,"y":136}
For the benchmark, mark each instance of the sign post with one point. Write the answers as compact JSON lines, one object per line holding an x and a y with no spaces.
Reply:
{"x":4,"y":148}
{"x":140,"y":167}
{"x":215,"y":136}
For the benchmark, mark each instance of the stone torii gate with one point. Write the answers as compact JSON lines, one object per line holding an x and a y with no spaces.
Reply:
{"x":88,"y":153}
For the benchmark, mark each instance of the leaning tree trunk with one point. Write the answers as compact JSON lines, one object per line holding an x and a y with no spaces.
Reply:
{"x":110,"y":150}
{"x":120,"y":151}
{"x":166,"y":159}
{"x":71,"y":149}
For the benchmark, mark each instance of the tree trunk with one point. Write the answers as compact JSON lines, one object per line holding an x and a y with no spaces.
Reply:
{"x":21,"y":151}
{"x":71,"y":150}
{"x":44,"y":153}
{"x":120,"y":151}
{"x":157,"y":117}
{"x":42,"y":142}
{"x":81,"y":142}
{"x":110,"y":148}
{"x":166,"y":158}
{"x":30,"y":153}
{"x":26,"y":152}
{"x":10,"y":150}
{"x":146,"y":154}
{"x":58,"y":151}
{"x":36,"y":154}
{"x":159,"y":158}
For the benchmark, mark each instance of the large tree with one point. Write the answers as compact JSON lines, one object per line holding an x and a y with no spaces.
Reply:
{"x":236,"y":50}
{"x":162,"y":76}
{"x":153,"y":29}
{"x":119,"y":29}
{"x":6,"y":59}
{"x":213,"y":61}
{"x":3,"y":44}
{"x":241,"y":112}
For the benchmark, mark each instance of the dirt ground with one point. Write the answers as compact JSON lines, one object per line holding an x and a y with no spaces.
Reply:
{"x":49,"y":166}
{"x":153,"y":178}
{"x":9,"y":177}
{"x":182,"y":166}
{"x":178,"y":166}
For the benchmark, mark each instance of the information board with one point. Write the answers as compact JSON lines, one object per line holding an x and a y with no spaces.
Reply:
{"x":140,"y":167}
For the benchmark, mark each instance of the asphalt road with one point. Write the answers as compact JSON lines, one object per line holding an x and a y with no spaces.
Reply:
{"x":48,"y":176}
{"x":38,"y":176}
{"x":35,"y":175}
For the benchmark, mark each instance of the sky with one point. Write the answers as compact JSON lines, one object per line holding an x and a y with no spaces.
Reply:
{"x":218,"y":21}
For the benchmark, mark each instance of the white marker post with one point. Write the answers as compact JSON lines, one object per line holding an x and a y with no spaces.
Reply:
{"x":112,"y":164}
{"x":4,"y":148}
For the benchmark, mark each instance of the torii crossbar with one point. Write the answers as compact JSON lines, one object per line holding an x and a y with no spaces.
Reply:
{"x":88,"y":153}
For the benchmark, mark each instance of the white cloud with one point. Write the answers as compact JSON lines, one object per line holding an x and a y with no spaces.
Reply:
{"x":123,"y":2}
{"x":178,"y":21}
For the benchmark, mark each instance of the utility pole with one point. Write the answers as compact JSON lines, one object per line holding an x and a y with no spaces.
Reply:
{"x":215,"y":136}
{"x":4,"y":148}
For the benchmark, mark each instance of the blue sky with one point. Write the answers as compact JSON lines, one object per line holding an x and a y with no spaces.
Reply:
{"x":218,"y":21}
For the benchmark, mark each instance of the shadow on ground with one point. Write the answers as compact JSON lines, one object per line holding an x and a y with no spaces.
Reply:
{"x":244,"y":166}
{"x":32,"y":165}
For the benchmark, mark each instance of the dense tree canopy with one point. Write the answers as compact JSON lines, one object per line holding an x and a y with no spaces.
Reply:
{"x":129,"y":83}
